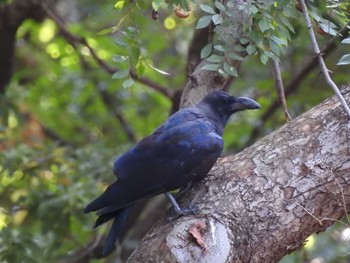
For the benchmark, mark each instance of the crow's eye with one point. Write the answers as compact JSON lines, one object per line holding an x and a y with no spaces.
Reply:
{"x":226,"y":100}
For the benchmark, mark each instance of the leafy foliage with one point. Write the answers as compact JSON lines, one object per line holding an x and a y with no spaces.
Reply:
{"x":45,"y":194}
{"x":266,"y":35}
{"x":61,"y":119}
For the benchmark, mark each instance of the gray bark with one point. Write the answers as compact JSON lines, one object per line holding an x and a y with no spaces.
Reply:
{"x":202,"y":82}
{"x":260,"y":204}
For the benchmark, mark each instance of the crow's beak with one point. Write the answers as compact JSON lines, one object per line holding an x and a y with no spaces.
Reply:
{"x":243,"y":103}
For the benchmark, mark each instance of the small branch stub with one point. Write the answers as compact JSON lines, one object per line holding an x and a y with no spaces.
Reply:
{"x":204,"y":239}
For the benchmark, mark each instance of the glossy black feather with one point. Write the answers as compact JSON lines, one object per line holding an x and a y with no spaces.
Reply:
{"x":181,"y":150}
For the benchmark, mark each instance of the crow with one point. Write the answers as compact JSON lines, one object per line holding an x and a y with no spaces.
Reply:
{"x":180,"y":151}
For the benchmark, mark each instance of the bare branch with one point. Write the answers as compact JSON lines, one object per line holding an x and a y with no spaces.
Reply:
{"x":280,"y":88}
{"x":294,"y":84}
{"x":154,"y":85}
{"x":320,"y":58}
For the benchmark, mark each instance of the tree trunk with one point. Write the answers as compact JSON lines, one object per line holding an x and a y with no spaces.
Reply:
{"x":260,"y":204}
{"x":202,"y":82}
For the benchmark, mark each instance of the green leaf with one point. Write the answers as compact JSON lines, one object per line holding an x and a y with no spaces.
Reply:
{"x":328,"y":29}
{"x":132,"y":30}
{"x":108,"y":30}
{"x":250,"y":49}
{"x":217,"y":19}
{"x":228,"y":69}
{"x":270,"y":54}
{"x":286,"y":22}
{"x":215,"y":58}
{"x":208,"y":9}
{"x":157,"y":69}
{"x":220,"y":6}
{"x":120,"y":74}
{"x":206,"y":50}
{"x":203,"y":22}
{"x":283,"y":31}
{"x":264,"y":24}
{"x":211,"y":67}
{"x":244,"y":41}
{"x":239,"y":48}
{"x":121,"y":43}
{"x":128,"y":83}
{"x":275,"y":48}
{"x":156,"y":4}
{"x":252,"y":9}
{"x":120,"y":59}
{"x":236,"y":57}
{"x":119,"y":4}
{"x":140,"y":67}
{"x":264,"y":58}
{"x":278,"y":41}
{"x":344,"y":60}
{"x":220,"y":48}
{"x":142,"y":5}
{"x":134,"y":55}
{"x":346,"y":41}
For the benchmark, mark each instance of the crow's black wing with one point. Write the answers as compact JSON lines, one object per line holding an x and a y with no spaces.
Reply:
{"x":179,"y":151}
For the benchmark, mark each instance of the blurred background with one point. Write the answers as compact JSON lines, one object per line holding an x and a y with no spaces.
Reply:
{"x":66,"y":113}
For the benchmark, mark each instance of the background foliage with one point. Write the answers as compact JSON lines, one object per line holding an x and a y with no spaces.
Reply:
{"x":65,"y":117}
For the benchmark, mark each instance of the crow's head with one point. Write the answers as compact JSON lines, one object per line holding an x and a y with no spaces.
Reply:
{"x":224,"y":105}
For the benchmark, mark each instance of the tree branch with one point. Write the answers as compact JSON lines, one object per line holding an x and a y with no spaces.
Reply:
{"x":256,"y":204}
{"x":320,"y":58}
{"x":106,"y":98}
{"x":73,"y":40}
{"x":279,"y":87}
{"x":110,"y":103}
{"x":201,"y":82}
{"x":294,"y":84}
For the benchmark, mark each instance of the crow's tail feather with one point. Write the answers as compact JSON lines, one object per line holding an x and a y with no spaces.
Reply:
{"x":120,"y":218}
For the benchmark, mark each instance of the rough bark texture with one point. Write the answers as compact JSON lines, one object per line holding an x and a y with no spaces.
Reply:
{"x":202,"y":82}
{"x":260,"y":204}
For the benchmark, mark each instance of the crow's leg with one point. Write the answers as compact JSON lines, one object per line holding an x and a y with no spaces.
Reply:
{"x":178,"y":209}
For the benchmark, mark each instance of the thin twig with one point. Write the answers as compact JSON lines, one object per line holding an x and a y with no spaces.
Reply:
{"x":320,"y":221}
{"x":110,"y":103}
{"x":279,"y":87}
{"x":342,"y":196}
{"x":340,"y":34}
{"x":294,"y":84}
{"x":75,"y":41}
{"x":320,"y":58}
{"x":154,"y":85}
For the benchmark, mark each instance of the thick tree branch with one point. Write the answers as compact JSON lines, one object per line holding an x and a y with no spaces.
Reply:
{"x":260,"y":204}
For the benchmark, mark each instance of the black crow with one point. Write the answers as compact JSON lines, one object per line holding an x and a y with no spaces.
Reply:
{"x":181,"y":150}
